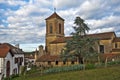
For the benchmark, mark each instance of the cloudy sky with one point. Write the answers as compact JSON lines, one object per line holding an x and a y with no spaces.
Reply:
{"x":23,"y":21}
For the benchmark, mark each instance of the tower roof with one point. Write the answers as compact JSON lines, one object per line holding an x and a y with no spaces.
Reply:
{"x":54,"y":15}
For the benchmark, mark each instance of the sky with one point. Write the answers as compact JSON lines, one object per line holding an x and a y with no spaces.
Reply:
{"x":23,"y":21}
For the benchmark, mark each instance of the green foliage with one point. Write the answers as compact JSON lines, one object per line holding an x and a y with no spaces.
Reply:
{"x":113,"y":63}
{"x":33,"y":70}
{"x":80,"y":46}
{"x":110,"y":73}
{"x":90,"y":66}
{"x":12,"y":77}
{"x":64,"y":69}
{"x":23,"y":70}
{"x":80,"y":27}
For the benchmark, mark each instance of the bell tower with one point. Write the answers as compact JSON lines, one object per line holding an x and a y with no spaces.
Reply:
{"x":54,"y":29}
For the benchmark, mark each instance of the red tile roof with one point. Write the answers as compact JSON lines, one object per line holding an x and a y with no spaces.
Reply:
{"x":117,"y":39}
{"x":109,"y":56}
{"x":116,"y":50}
{"x":54,"y":15}
{"x":6,"y":47}
{"x":48,"y":57}
{"x":101,"y":36}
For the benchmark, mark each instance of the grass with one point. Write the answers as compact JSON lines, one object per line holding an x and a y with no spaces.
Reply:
{"x":111,"y":73}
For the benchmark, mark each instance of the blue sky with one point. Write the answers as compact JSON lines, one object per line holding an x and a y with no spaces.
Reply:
{"x":23,"y":21}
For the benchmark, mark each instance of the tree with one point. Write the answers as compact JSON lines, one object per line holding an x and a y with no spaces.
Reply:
{"x":80,"y":45}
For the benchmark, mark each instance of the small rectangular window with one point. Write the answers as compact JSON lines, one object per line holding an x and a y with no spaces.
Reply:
{"x":51,"y":28}
{"x":60,"y":28}
{"x":56,"y":62}
{"x":101,"y":48}
{"x":72,"y":62}
{"x":116,"y":45}
{"x":64,"y":62}
{"x":49,"y":62}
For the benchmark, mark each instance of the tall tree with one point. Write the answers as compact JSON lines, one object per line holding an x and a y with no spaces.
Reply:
{"x":80,"y":27}
{"x":80,"y":46}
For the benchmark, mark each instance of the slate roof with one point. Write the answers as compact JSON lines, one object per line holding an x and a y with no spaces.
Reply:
{"x":6,"y":47}
{"x":100,"y":36}
{"x":54,"y":15}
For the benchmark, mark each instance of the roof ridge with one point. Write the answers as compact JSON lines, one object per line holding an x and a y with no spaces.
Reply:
{"x":101,"y":33}
{"x":54,"y":15}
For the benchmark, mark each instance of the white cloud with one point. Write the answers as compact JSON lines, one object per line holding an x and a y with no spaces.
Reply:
{"x":14,"y":2}
{"x":2,"y":26}
{"x":27,"y":23}
{"x":90,"y":8}
{"x":104,"y":22}
{"x":100,"y":30}
{"x":66,"y":3}
{"x":118,"y":34}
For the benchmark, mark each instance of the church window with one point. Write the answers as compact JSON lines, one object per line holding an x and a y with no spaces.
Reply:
{"x":116,"y":45}
{"x":51,"y":28}
{"x":56,"y":62}
{"x":101,"y":48}
{"x":64,"y":62}
{"x":49,"y":62}
{"x":59,"y":28}
{"x":72,"y":62}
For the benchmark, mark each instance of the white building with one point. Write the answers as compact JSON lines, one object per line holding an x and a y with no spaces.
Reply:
{"x":11,"y":59}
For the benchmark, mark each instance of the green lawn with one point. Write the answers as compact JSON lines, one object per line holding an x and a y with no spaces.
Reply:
{"x":111,"y":73}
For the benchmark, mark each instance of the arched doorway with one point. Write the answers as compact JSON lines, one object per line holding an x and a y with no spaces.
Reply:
{"x":8,"y":69}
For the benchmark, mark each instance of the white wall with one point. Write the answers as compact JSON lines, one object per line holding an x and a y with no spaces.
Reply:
{"x":15,"y":65}
{"x":1,"y":65}
{"x":8,"y":58}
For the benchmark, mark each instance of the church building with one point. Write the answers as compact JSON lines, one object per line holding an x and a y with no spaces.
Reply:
{"x":108,"y":44}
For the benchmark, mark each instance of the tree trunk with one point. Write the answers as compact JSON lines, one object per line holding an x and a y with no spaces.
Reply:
{"x":80,"y":59}
{"x":98,"y":60}
{"x":83,"y":63}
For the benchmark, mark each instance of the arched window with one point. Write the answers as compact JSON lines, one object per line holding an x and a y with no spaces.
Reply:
{"x":59,"y":28}
{"x":51,"y":28}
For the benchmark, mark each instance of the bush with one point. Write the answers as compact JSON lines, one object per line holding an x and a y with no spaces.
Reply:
{"x":32,"y":70}
{"x":90,"y":66}
{"x":113,"y":62}
{"x":11,"y":77}
{"x":23,"y":70}
{"x":64,"y":69}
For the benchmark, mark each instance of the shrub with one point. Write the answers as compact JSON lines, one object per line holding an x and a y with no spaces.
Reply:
{"x":23,"y":70}
{"x":11,"y":77}
{"x":64,"y":69}
{"x":113,"y":62}
{"x":90,"y":66}
{"x":32,"y":70}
